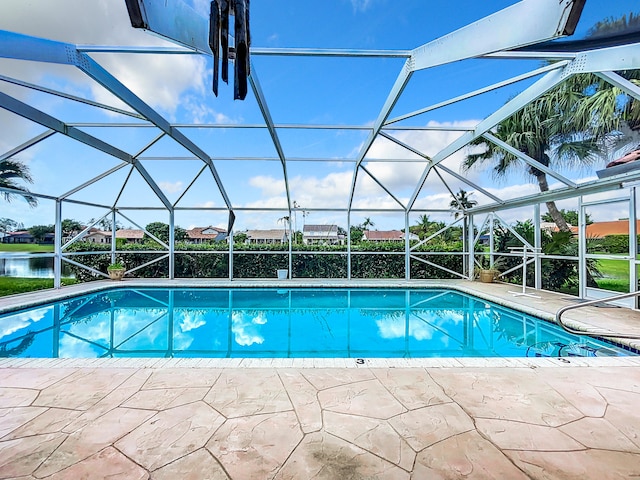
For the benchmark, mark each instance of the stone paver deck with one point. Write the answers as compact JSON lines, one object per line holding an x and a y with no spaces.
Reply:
{"x":501,"y":418}
{"x":537,"y":421}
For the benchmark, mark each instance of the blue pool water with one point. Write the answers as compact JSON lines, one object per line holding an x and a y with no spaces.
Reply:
{"x":271,"y":323}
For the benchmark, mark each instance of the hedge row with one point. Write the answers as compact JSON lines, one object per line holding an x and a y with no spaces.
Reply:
{"x":262,"y":261}
{"x":611,"y":244}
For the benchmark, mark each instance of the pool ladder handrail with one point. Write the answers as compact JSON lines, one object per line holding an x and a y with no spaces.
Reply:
{"x":573,"y":331}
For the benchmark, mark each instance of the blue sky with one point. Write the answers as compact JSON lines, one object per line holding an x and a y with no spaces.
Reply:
{"x":298,"y":90}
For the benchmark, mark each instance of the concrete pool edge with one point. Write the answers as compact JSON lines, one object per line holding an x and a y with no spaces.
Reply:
{"x":543,"y":308}
{"x":316,"y":363}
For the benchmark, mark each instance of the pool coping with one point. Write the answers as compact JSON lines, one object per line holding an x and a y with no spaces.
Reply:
{"x":18,"y":302}
{"x":317,"y":363}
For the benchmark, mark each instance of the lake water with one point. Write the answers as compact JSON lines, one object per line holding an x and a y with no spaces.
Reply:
{"x":36,"y":267}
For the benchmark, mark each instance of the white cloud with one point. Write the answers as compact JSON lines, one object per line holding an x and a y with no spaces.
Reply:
{"x":332,"y":190}
{"x":200,"y":113}
{"x":360,"y":5}
{"x":207,"y":204}
{"x":514,"y":191}
{"x":268,"y":185}
{"x":406,"y":175}
{"x":171,"y":187}
{"x":329,"y":191}
{"x":159,"y":80}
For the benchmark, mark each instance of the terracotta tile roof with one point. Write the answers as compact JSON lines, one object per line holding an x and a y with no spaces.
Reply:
{"x":273,"y":234}
{"x":602,"y":229}
{"x":382,"y":235}
{"x":126,"y":233}
{"x":95,"y":231}
{"x":205,"y":232}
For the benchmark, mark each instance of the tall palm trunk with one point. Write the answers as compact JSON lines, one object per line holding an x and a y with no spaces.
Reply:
{"x":558,"y":219}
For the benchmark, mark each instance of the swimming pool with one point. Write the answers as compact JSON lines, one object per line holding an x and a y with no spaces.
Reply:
{"x":281,"y":323}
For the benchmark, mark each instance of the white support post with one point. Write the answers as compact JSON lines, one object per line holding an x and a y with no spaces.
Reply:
{"x":471,"y":250}
{"x":113,"y":235}
{"x":582,"y":251}
{"x":465,"y":244}
{"x":172,"y":241}
{"x":633,"y":244}
{"x":290,"y":263}
{"x":537,"y":243}
{"x":492,"y":244}
{"x":348,"y":245}
{"x":407,"y":247}
{"x":230,"y":240}
{"x":57,"y":259}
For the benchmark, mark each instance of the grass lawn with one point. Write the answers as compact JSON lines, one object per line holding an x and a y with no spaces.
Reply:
{"x":25,"y":247}
{"x":616,"y":275}
{"x":13,"y":285}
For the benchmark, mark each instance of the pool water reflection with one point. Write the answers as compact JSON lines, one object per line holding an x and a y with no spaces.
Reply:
{"x":272,"y":323}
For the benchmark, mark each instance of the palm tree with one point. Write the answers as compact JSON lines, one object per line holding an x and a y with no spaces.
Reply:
{"x":610,"y":106}
{"x":572,"y":125}
{"x":422,"y":226}
{"x":461,"y":202}
{"x":606,"y":98}
{"x":10,"y":171}
{"x":367,"y":223}
{"x":550,"y":131}
{"x":285,"y":220}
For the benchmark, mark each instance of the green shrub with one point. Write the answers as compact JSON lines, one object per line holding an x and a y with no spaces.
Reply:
{"x":377,"y":260}
{"x":615,"y":244}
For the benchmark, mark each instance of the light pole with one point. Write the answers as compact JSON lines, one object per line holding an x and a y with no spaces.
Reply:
{"x":295,"y":219}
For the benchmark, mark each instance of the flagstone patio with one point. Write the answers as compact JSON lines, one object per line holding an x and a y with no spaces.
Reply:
{"x":541,"y":418}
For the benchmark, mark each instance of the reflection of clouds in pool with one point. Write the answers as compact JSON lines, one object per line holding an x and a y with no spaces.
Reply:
{"x":133,"y":322}
{"x":17,"y":322}
{"x":186,"y":321}
{"x":394,"y":325}
{"x":127,"y":323}
{"x":246,"y":329}
{"x":71,"y":347}
{"x":190,"y":321}
{"x":96,"y":331}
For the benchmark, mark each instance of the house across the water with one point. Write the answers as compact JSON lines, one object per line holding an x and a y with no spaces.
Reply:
{"x":387,"y":236}
{"x":322,"y":234}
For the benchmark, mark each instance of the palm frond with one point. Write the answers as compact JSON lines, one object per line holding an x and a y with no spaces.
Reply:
{"x":10,"y":171}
